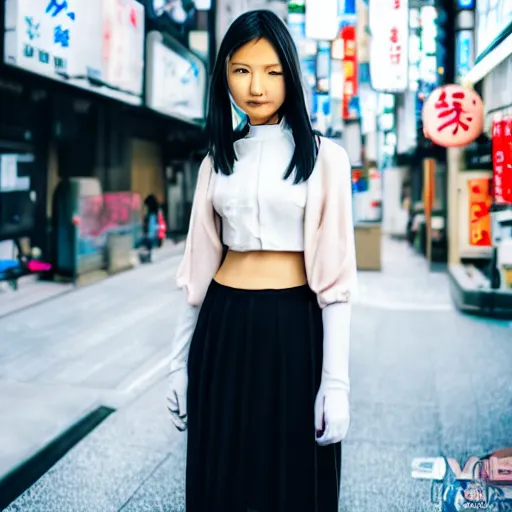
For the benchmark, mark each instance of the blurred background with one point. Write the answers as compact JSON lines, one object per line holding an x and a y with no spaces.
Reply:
{"x":102,"y":116}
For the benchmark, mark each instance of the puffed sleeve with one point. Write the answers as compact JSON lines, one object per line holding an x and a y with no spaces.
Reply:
{"x":203,"y":247}
{"x":333,"y":270}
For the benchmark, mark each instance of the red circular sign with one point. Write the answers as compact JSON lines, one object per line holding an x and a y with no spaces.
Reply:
{"x":453,"y":116}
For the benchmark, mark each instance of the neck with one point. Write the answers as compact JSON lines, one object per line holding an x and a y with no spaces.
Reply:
{"x":267,"y":130}
{"x":259,"y":122}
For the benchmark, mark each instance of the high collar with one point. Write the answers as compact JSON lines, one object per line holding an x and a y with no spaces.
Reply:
{"x":267,"y":131}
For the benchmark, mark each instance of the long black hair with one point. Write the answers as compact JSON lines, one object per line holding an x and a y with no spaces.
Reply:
{"x":250,"y":26}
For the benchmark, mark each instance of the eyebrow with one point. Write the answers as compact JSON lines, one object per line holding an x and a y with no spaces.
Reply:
{"x":247,"y":65}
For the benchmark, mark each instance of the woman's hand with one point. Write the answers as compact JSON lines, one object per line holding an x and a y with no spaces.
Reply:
{"x":332,"y":415}
{"x":177,"y":398}
{"x":178,"y":375}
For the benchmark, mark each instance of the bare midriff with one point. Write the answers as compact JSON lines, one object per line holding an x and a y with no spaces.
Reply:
{"x":261,"y":270}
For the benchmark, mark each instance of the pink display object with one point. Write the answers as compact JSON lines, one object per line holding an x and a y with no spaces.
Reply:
{"x":453,"y":116}
{"x":38,"y":266}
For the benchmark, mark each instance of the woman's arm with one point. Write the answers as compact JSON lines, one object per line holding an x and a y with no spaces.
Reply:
{"x":187,"y":320}
{"x":203,"y":247}
{"x":332,"y":411}
{"x":201,"y":260}
{"x":334,"y":279}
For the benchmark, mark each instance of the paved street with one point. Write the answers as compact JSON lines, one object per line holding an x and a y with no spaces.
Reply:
{"x":426,"y":381}
{"x":98,"y":345}
{"x":32,"y":291}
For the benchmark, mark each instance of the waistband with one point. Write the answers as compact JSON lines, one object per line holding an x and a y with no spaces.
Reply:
{"x":303,"y":288}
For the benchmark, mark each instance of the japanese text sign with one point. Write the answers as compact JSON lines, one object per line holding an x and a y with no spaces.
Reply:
{"x":453,"y":116}
{"x":389,"y":29}
{"x":348,"y":35}
{"x":502,"y":160}
{"x":46,"y":35}
{"x":480,"y":201}
{"x":96,"y":45}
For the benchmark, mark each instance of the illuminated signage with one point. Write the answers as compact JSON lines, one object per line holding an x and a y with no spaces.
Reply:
{"x":389,"y":29}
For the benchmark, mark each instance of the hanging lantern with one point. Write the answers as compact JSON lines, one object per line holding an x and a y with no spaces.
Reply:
{"x":453,"y":116}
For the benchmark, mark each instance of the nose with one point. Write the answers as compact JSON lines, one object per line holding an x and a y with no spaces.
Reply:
{"x":256,"y":85}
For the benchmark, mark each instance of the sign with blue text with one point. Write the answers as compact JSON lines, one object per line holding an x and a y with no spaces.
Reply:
{"x":96,"y":45}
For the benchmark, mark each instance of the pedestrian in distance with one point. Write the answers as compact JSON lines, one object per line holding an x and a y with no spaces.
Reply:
{"x":153,"y":228}
{"x":259,"y":377}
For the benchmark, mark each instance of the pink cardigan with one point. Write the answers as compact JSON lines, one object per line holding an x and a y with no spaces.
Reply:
{"x":329,"y":248}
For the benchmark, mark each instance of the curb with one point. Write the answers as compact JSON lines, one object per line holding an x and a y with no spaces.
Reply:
{"x":27,"y":473}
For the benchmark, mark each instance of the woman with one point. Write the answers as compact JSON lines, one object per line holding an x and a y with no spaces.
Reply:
{"x":260,"y":356}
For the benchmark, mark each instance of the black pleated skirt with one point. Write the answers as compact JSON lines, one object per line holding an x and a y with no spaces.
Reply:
{"x":254,"y":370}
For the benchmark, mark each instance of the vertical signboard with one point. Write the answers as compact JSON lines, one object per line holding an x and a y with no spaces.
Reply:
{"x":348,"y":35}
{"x":306,"y":48}
{"x":362,"y":33}
{"x":389,"y":29}
{"x":429,"y":196}
{"x":464,"y":52}
{"x":502,"y":160}
{"x":323,"y":67}
{"x":480,"y":201}
{"x":122,"y":52}
{"x":322,"y":19}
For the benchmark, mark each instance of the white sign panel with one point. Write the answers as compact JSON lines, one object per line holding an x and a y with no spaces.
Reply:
{"x":203,"y":5}
{"x":389,"y":29}
{"x":176,"y":80}
{"x":9,"y":179}
{"x":322,"y":21}
{"x":493,"y":16}
{"x":122,"y":61}
{"x":96,"y":45}
{"x":8,"y":172}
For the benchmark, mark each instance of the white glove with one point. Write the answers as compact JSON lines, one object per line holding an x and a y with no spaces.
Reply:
{"x":178,"y":375}
{"x":332,"y":407}
{"x":177,"y":398}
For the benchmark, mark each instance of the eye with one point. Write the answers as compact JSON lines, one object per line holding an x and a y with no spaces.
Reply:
{"x":276,"y":73}
{"x":240,"y":70}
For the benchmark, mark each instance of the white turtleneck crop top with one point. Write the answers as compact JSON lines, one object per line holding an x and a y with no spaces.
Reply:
{"x":259,"y":210}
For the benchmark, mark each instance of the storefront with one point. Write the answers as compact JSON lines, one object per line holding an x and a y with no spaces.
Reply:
{"x":24,"y":126}
{"x":23,"y":138}
{"x":97,"y":48}
{"x":429,"y":66}
{"x":481,"y":175}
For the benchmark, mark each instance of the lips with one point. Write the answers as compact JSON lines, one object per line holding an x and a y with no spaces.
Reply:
{"x":257,"y":103}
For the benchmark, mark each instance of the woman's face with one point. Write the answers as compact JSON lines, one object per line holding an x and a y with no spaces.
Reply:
{"x":256,"y":81}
